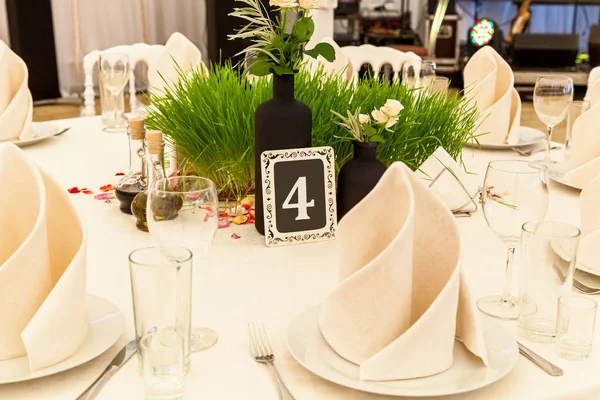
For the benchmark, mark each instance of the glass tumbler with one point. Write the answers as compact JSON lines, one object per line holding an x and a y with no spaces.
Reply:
{"x":112,"y":108}
{"x":548,"y":263}
{"x":161,"y":286}
{"x":575,"y":327}
{"x":163,"y":364}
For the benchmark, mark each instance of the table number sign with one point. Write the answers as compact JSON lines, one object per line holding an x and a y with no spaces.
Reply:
{"x":299,"y":195}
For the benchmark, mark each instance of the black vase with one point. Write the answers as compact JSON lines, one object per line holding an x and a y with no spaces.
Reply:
{"x":281,"y":123}
{"x":358,"y":177}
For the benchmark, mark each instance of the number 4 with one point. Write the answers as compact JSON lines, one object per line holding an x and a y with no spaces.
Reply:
{"x":302,"y":205}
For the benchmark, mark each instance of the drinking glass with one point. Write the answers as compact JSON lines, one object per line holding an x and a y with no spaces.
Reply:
{"x":109,"y":107}
{"x":162,"y":355}
{"x":552,"y":96}
{"x":184,"y":211}
{"x":114,"y":74}
{"x":515,"y":192}
{"x":548,"y":253}
{"x":440,"y":84}
{"x":161,"y":287}
{"x":418,"y":73}
{"x":575,"y":327}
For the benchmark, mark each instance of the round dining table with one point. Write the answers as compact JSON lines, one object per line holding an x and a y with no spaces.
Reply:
{"x":242,"y":280}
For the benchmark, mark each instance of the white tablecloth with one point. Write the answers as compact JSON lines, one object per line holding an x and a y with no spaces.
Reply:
{"x":243,"y":280}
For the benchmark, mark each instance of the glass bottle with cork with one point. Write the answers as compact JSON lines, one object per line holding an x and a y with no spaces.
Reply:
{"x":155,"y":171}
{"x":135,"y":181}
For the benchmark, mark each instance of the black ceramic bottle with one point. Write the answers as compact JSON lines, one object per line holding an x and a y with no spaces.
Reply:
{"x":281,"y":123}
{"x":358,"y":176}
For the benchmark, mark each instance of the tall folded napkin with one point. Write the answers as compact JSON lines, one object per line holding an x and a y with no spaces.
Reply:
{"x":180,"y":56}
{"x":584,"y":156}
{"x":42,"y":265}
{"x":594,"y":93}
{"x":489,"y":83}
{"x":589,"y":245}
{"x":402,"y":296}
{"x":16,"y":105}
{"x":449,"y":181}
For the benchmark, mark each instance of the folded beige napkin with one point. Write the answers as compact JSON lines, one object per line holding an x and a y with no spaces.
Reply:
{"x":402,"y":297}
{"x":594,"y":93}
{"x":16,"y":105}
{"x":590,"y":226}
{"x":489,"y":83}
{"x":584,"y":156}
{"x":42,"y":265}
{"x":449,"y":181}
{"x":180,"y":56}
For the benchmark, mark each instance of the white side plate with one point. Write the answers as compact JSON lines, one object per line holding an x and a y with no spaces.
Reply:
{"x":527,"y":137}
{"x":41,"y":131}
{"x":309,"y":348}
{"x":106,"y":325}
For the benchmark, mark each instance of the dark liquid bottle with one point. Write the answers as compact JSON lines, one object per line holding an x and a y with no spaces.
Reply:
{"x":135,"y":181}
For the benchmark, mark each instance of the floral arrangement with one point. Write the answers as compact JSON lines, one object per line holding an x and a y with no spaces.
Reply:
{"x":363,"y":128}
{"x":274,"y":49}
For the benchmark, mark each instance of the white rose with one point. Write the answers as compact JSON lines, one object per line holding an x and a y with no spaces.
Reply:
{"x":391,"y":122}
{"x":380,"y":117}
{"x":392,"y":108}
{"x":364,"y":119}
{"x":309,"y":4}
{"x":284,"y":3}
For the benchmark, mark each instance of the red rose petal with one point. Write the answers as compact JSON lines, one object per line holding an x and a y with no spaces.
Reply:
{"x":104,"y":196}
{"x":120,"y":174}
{"x":107,"y":201}
{"x":86,"y":191}
{"x":107,"y":188}
{"x":74,"y":190}
{"x":223,"y":223}
{"x":235,"y":236}
{"x":247,"y":206}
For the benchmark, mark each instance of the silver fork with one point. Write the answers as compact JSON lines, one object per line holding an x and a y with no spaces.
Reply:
{"x":576,"y":284}
{"x":527,"y":153}
{"x":261,"y":351}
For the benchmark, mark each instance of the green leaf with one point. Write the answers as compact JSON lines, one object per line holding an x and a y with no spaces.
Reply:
{"x":377,"y":139}
{"x":303,"y":29}
{"x":281,"y":70}
{"x":260,"y":68}
{"x":324,"y":50}
{"x":369,"y":130}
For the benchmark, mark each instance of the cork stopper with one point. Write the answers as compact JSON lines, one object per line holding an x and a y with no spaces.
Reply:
{"x":154,"y":142}
{"x":136,"y":128}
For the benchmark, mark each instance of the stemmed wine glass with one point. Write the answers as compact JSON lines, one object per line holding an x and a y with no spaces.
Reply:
{"x":515,"y":192}
{"x":418,"y":73}
{"x":184,"y":211}
{"x":114,"y":73}
{"x":552,"y":97}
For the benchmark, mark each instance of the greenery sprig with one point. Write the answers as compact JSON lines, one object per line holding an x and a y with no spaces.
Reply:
{"x":363,"y":128}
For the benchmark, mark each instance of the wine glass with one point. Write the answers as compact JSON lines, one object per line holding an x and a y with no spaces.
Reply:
{"x":418,"y":73}
{"x":184,"y":211}
{"x":515,"y":192}
{"x":114,"y":74}
{"x":551,"y":99}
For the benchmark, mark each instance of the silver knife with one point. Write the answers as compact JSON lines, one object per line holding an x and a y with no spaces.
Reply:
{"x":119,"y":360}
{"x":541,"y":362}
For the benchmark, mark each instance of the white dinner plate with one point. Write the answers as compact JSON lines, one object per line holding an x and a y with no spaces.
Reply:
{"x":527,"y":137}
{"x":309,"y":348}
{"x":41,"y":131}
{"x":558,"y":177}
{"x":106,"y":325}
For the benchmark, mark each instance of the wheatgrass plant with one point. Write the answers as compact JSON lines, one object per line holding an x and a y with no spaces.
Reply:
{"x":210,"y":119}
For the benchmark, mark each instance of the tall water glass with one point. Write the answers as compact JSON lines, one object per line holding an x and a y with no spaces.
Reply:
{"x":515,"y":192}
{"x":163,"y":365}
{"x":113,"y":112}
{"x":161,"y":287}
{"x":549,"y":252}
{"x":575,"y":327}
{"x":418,"y":73}
{"x":184,"y":211}
{"x":114,"y":75}
{"x":552,"y":96}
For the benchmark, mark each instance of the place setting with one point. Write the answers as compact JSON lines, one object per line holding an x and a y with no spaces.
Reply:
{"x":298,"y":216}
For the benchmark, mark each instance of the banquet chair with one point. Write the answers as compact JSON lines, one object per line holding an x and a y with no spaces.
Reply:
{"x":341,"y":65}
{"x":136,"y":52}
{"x":377,"y":58}
{"x":592,"y":78}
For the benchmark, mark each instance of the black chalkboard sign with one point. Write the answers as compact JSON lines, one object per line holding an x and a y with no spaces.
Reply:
{"x":299,"y":195}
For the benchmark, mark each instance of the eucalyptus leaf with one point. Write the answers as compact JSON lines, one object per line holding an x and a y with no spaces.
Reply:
{"x":303,"y":29}
{"x":324,"y":50}
{"x":260,"y":68}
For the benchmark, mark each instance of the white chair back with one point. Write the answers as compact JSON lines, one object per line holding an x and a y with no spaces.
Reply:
{"x":377,"y":57}
{"x":341,"y":65}
{"x":137,"y":52}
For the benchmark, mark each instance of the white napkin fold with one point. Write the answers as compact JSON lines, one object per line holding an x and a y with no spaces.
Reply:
{"x":489,"y":83}
{"x":584,"y":156}
{"x":402,"y":296}
{"x":589,"y":245}
{"x":42,"y":265}
{"x":594,"y":93}
{"x":449,"y":181}
{"x":180,"y":56}
{"x":16,"y":105}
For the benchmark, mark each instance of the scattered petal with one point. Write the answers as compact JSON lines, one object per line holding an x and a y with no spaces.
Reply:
{"x":86,"y":191}
{"x":107,"y":188}
{"x":247,"y":202}
{"x":241,"y":219}
{"x":223,"y":214}
{"x":120,"y":174}
{"x":74,"y":190}
{"x":223,"y":223}
{"x":237,"y":210}
{"x":107,"y":201}
{"x":104,"y":196}
{"x":235,"y":236}
{"x":246,"y":206}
